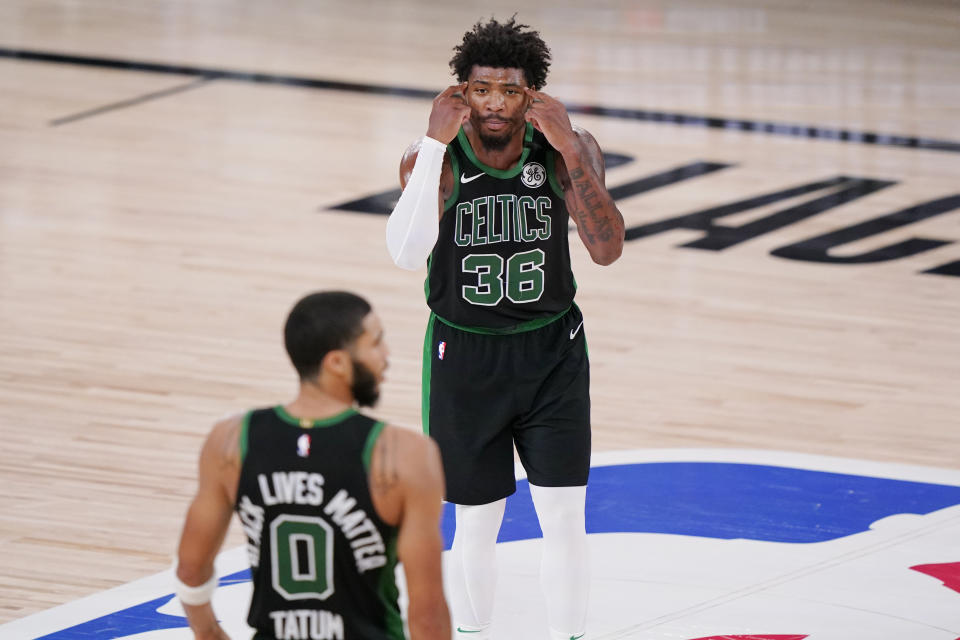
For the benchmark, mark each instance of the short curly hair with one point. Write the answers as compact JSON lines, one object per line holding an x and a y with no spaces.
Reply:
{"x":504,"y":46}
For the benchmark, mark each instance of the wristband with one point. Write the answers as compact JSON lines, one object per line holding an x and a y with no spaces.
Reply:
{"x":195,"y":596}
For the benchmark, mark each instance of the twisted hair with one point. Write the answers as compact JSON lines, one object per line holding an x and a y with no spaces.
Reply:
{"x":504,"y":46}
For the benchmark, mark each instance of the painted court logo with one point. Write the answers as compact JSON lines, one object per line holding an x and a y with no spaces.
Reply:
{"x":685,"y":544}
{"x":533,"y":174}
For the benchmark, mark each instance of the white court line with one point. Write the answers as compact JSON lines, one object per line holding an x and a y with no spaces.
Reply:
{"x":947,"y":520}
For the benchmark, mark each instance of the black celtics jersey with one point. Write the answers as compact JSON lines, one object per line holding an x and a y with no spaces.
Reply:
{"x":322,"y":560}
{"x":502,"y":261}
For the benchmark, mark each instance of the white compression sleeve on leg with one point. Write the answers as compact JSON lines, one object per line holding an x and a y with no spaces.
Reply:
{"x":564,"y":569}
{"x":413,"y":226}
{"x":474,"y":568}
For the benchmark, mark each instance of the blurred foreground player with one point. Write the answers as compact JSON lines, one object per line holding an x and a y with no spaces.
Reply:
{"x":330,"y":499}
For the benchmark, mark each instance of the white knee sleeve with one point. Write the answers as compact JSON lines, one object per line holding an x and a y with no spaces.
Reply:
{"x":564,"y":570}
{"x":473,"y":570}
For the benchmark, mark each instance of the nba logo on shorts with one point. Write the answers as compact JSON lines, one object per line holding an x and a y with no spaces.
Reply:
{"x":303,"y":446}
{"x":441,"y":349}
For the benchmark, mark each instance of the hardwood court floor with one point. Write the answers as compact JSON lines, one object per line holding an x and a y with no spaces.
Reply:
{"x":158,"y":220}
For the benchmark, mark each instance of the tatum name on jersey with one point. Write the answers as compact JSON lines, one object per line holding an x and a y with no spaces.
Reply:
{"x":321,"y":559}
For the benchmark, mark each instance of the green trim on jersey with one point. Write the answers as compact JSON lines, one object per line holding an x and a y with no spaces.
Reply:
{"x":425,"y":382}
{"x":426,"y":282}
{"x":389,"y":592}
{"x":455,"y":169}
{"x":496,"y":173}
{"x":371,"y":440}
{"x":552,"y":175}
{"x":517,"y":328}
{"x":245,"y":436}
{"x":309,"y":424}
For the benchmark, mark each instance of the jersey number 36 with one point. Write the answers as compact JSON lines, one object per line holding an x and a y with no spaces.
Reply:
{"x":521,"y":280}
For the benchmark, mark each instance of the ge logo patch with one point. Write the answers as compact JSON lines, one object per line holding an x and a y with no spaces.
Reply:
{"x":533,"y":174}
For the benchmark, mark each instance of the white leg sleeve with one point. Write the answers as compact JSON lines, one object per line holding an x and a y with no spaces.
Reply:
{"x":564,"y":569}
{"x":473,"y":575}
{"x":414,"y":225}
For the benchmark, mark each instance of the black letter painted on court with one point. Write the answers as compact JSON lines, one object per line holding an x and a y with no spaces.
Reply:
{"x":817,"y":249}
{"x":719,"y":237}
{"x":949,"y":269}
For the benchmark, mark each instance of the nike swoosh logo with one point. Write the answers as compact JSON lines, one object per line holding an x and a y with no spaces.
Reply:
{"x":459,"y":630}
{"x":573,"y":334}
{"x":463,"y":180}
{"x":577,"y":637}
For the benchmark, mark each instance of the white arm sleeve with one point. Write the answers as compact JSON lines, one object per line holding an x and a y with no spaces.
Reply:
{"x":413,"y":226}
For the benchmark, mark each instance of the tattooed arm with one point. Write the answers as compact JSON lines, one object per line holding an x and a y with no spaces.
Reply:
{"x":406,"y":484}
{"x":599,"y":221}
{"x":581,"y":173}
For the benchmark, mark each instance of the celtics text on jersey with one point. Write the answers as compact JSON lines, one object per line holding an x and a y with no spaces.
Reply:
{"x":502,"y":259}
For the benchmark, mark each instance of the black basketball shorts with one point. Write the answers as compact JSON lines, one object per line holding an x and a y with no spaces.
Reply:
{"x":485,"y":393}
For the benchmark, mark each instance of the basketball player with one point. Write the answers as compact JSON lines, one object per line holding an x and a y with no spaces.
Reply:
{"x":505,"y":357}
{"x":329,"y":498}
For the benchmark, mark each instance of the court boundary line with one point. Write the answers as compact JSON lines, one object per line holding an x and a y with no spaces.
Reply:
{"x":793,"y":130}
{"x":123,"y":104}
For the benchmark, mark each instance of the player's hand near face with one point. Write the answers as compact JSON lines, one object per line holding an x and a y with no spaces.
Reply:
{"x":549,"y":116}
{"x":449,"y":112}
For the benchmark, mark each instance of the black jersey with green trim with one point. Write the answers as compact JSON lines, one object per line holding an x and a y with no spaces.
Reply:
{"x":502,"y":259}
{"x":321,"y":559}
